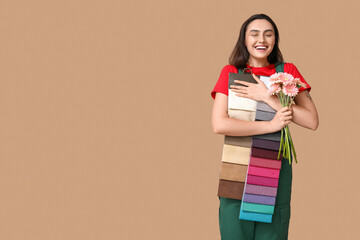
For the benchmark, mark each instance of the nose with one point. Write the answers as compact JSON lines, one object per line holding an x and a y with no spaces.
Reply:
{"x":261,"y":38}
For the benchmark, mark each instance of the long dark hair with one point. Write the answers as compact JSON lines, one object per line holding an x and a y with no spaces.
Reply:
{"x":240,"y":55}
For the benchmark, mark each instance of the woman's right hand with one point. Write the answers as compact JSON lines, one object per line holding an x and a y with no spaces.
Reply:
{"x":281,"y":119}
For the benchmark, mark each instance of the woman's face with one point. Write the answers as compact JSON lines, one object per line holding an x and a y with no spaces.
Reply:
{"x":259,"y":40}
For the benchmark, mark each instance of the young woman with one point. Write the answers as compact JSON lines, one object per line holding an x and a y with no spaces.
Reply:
{"x":258,"y":49}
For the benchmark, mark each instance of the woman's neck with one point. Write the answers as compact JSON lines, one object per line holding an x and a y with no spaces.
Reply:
{"x":258,"y":62}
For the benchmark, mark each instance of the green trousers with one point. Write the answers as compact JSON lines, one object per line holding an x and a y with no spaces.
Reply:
{"x":232,"y":228}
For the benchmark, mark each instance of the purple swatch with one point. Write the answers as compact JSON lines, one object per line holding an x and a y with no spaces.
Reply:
{"x":260,"y":190}
{"x":266,"y":144}
{"x":251,"y":198}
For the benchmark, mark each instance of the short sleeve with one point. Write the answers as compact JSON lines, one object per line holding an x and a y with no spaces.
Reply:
{"x":291,"y":69}
{"x":222,"y":83}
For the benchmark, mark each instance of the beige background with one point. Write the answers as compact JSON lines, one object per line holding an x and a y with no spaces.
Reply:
{"x":105,"y":107}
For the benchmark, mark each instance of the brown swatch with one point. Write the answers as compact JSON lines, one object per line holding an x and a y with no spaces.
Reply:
{"x":230,"y":189}
{"x":238,"y":141}
{"x":233,"y":172}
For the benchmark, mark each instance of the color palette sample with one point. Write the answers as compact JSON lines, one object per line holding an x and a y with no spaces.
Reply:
{"x":249,"y":168}
{"x":236,"y":150}
{"x":259,"y":195}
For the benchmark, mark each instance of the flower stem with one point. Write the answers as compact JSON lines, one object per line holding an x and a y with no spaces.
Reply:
{"x":292,"y":147}
{"x":281,"y":143}
{"x":288,"y":153}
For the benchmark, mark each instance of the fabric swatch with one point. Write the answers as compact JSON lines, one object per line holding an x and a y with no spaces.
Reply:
{"x":264,"y":172}
{"x":264,"y":162}
{"x":258,"y":208}
{"x":266,"y":144}
{"x":251,"y":198}
{"x":240,"y":76}
{"x":231,"y":189}
{"x":264,"y":107}
{"x":264,"y":116}
{"x":276,"y":136}
{"x":264,"y":153}
{"x":262,"y":181}
{"x":236,"y":102}
{"x":259,"y":217}
{"x":242,"y":114}
{"x":260,"y":190}
{"x":233,"y":172}
{"x":238,"y":141}
{"x":241,"y":103}
{"x":235,"y":154}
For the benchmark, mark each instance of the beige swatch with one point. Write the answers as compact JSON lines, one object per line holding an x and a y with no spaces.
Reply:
{"x":236,"y":154}
{"x":242,"y":114}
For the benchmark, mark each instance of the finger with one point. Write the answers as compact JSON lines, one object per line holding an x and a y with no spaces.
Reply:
{"x":283,"y":109}
{"x":242,"y":95}
{"x":256,"y":78}
{"x":287,"y":122}
{"x":243,"y":82}
{"x":287,"y":113}
{"x":239,"y":91}
{"x":237,"y":87}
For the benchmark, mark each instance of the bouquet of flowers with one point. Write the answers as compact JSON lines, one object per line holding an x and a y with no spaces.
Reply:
{"x":286,"y":87}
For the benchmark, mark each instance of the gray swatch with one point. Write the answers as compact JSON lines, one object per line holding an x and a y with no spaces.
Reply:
{"x":264,"y":107}
{"x":264,"y":116}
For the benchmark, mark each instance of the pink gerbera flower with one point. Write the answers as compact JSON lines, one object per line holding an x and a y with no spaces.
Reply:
{"x":287,"y":78}
{"x":299,"y":83}
{"x":274,"y":88}
{"x":290,"y":90}
{"x":275,"y":78}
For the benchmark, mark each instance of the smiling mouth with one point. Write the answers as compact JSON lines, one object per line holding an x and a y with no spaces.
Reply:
{"x":261,"y":47}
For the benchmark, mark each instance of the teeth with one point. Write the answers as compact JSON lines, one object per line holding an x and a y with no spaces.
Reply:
{"x":261,"y":48}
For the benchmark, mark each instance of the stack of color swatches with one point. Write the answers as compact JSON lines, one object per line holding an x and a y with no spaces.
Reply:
{"x":236,"y":151}
{"x":235,"y":160}
{"x":259,"y":195}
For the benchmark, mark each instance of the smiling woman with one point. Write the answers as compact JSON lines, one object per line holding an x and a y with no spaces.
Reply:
{"x":260,"y":41}
{"x":257,"y":49}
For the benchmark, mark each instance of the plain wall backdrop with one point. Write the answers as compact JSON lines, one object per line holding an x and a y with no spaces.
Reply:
{"x":105,"y":107}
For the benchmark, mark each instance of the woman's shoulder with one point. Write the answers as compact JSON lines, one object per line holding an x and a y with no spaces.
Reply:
{"x":289,"y":67}
{"x":292,"y":69}
{"x":229,"y":69}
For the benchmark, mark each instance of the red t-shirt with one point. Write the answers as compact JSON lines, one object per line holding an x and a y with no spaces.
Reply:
{"x":222,"y":84}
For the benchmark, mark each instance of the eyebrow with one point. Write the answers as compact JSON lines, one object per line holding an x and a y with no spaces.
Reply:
{"x":267,"y":30}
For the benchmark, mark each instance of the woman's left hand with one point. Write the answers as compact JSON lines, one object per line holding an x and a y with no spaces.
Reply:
{"x":257,"y":92}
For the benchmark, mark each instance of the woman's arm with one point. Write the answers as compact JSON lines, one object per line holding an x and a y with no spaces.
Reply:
{"x":223,"y":124}
{"x":304,"y":111}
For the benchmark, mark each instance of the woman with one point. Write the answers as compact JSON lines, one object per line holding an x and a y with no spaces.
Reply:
{"x":258,"y":49}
